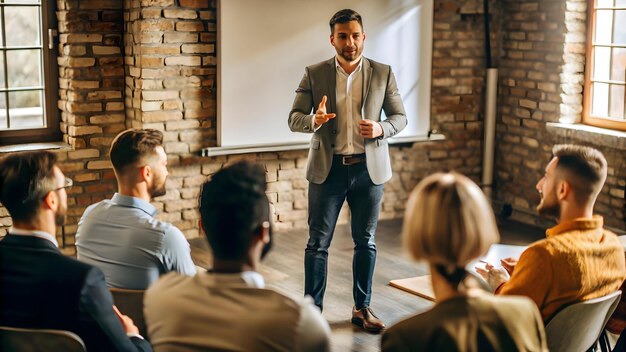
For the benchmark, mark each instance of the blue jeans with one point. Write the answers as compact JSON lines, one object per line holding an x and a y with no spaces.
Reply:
{"x":325,"y":200}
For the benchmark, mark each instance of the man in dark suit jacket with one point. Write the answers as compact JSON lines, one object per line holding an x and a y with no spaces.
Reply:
{"x":348,"y":156}
{"x":39,"y":287}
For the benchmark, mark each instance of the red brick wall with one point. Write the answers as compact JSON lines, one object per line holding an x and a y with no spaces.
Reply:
{"x":91,"y":100}
{"x":541,"y":81}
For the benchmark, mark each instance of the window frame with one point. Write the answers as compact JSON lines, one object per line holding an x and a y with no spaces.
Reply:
{"x":587,"y":117}
{"x":50,"y":71}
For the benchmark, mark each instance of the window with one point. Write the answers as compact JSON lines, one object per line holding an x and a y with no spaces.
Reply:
{"x":28,"y":73}
{"x":606,"y":65}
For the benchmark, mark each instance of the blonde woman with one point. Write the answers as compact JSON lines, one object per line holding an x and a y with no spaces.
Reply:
{"x":449,"y":223}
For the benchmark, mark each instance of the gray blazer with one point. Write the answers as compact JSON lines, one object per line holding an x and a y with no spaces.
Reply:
{"x":380,"y":92}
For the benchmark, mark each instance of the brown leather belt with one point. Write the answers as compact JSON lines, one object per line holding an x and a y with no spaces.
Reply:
{"x":352,"y":159}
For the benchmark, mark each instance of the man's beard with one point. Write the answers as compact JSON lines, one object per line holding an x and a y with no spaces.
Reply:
{"x":545,"y":209}
{"x":267,"y":246}
{"x":59,"y":217}
{"x":157,"y":190}
{"x":351,"y":57}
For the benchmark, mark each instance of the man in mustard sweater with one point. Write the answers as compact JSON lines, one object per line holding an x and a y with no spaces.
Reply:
{"x":579,"y":259}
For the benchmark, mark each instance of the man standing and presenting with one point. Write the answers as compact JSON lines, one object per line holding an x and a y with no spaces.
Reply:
{"x":348,"y":155}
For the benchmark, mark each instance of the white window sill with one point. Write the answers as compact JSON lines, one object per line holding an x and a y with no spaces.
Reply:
{"x":590,"y":134}
{"x":34,"y":146}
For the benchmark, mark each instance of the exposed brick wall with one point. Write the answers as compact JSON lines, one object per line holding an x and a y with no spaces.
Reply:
{"x":529,"y":95}
{"x":162,"y":75}
{"x":132,"y":56}
{"x":457,"y":87}
{"x":91,"y":98}
{"x":170,"y":86}
{"x":541,"y":80}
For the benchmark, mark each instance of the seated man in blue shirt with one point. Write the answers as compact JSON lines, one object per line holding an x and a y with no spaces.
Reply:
{"x":120,"y":235}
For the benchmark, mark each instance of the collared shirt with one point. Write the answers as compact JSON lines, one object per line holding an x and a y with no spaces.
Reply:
{"x":35,"y":233}
{"x":253,"y":279}
{"x":242,"y":315}
{"x":122,"y":238}
{"x":580,"y":224}
{"x":349,"y":95}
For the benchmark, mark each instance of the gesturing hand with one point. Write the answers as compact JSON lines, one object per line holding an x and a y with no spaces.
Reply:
{"x":370,"y":129}
{"x":321,"y":117}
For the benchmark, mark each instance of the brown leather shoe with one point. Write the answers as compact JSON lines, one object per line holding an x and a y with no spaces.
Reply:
{"x":366,"y":319}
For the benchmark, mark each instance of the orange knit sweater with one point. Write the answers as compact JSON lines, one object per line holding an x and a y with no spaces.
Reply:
{"x":579,"y":260}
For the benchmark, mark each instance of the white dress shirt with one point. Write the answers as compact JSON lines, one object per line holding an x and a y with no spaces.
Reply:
{"x":349,"y":97}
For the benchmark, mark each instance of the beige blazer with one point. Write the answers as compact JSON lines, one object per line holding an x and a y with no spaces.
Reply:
{"x":380,"y":93}
{"x":223,"y":312}
{"x":471,"y":324}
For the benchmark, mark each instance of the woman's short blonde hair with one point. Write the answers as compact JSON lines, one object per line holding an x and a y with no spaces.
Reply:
{"x":448,"y":221}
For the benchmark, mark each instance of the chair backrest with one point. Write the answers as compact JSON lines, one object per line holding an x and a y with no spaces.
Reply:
{"x":39,"y":340}
{"x":130,"y":302}
{"x":578,"y":326}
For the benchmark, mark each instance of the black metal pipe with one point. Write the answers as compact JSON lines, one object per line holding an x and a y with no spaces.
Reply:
{"x":487,"y":34}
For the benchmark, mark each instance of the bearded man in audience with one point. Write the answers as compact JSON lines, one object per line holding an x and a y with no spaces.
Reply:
{"x":40,"y":288}
{"x":579,"y":260}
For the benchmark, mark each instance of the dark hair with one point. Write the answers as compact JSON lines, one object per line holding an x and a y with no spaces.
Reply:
{"x":585,"y":168}
{"x":454,"y":275}
{"x":25,"y":178}
{"x":345,"y":16}
{"x":233,"y":208}
{"x":133,"y":146}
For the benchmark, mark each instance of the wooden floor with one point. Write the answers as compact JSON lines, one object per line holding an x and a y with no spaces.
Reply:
{"x":283,"y":270}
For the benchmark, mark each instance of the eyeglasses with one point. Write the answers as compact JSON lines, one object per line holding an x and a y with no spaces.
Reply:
{"x":68,"y":184}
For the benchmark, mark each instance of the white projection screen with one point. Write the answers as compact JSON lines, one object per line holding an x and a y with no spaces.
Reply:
{"x":264,"y":46}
